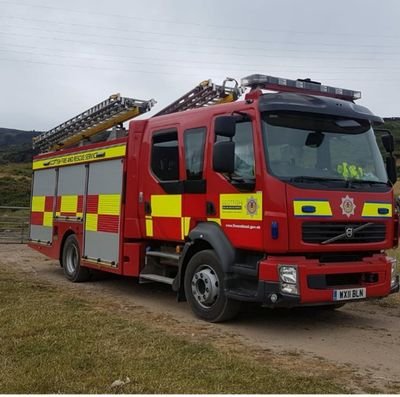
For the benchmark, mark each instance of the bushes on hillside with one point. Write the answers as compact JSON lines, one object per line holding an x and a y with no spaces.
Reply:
{"x":15,"y":192}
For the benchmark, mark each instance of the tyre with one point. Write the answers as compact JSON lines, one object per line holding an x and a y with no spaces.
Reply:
{"x":71,"y":260}
{"x":204,"y":288}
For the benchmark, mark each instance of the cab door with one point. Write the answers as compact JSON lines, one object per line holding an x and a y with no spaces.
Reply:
{"x":161,"y":184}
{"x":173,"y":184}
{"x":235,"y":201}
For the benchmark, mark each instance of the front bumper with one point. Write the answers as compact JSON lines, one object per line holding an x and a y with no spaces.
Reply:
{"x":316,"y":281}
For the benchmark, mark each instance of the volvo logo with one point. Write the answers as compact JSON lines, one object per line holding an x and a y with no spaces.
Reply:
{"x":349,"y":231}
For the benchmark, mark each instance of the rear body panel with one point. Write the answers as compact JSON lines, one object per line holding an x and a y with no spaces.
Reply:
{"x":85,"y":198}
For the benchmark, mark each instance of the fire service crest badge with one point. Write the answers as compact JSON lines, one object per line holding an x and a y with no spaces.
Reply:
{"x":252,"y":206}
{"x":347,"y":206}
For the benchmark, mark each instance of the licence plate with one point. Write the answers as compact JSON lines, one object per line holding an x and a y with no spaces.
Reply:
{"x":349,"y":294}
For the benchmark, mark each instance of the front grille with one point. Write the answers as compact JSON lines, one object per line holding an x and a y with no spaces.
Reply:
{"x":323,"y":281}
{"x":317,"y":232}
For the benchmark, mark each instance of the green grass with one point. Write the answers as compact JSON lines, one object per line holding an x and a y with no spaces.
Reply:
{"x":15,"y":184}
{"x":15,"y":192}
{"x":16,"y":169}
{"x":54,"y":342}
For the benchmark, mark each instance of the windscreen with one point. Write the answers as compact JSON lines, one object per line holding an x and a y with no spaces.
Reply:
{"x":301,"y":147}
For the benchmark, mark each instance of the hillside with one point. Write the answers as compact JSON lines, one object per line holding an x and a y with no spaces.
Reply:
{"x":16,"y":145}
{"x":10,"y":136}
{"x":15,"y":166}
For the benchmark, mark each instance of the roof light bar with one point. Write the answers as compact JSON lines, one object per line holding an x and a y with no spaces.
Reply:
{"x":305,"y":86}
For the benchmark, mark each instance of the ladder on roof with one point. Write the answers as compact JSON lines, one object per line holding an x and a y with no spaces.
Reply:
{"x":109,"y":113}
{"x":205,"y":94}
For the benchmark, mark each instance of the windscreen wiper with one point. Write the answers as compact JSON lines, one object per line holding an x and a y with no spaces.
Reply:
{"x":304,"y":178}
{"x":365,"y":182}
{"x":349,"y":182}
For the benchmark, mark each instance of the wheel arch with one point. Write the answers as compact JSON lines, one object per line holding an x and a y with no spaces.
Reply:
{"x":206,"y":235}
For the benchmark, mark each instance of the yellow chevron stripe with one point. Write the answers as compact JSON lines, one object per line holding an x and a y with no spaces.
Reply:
{"x":322,"y":208}
{"x":371,"y":210}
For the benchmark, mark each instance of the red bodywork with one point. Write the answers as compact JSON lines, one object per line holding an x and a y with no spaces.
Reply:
{"x":277,"y":199}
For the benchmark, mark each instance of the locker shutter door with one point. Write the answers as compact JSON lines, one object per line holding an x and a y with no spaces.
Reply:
{"x":42,"y":205}
{"x":70,"y":191}
{"x":103,"y":210}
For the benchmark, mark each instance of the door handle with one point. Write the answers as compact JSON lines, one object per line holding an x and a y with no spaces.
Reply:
{"x":210,"y":208}
{"x":147,"y":208}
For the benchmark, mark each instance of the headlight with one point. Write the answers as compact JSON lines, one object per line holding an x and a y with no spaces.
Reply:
{"x":289,"y":289}
{"x":393,"y":279}
{"x":288,"y":278}
{"x":288,"y":274}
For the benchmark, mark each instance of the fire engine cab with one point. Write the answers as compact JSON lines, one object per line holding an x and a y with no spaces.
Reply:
{"x":282,"y":198}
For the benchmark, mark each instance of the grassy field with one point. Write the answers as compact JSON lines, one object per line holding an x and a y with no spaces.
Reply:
{"x":54,"y":342}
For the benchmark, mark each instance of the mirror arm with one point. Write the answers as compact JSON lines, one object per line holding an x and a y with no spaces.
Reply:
{"x":388,"y":132}
{"x":245,"y":116}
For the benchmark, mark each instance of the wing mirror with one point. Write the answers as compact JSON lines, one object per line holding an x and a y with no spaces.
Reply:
{"x":225,"y":126}
{"x":224,"y":157}
{"x":388,"y":143}
{"x":391,"y":169}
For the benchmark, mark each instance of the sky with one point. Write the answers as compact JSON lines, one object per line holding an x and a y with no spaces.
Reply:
{"x":58,"y":58}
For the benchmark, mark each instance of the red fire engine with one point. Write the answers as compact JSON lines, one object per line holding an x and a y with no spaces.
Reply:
{"x":282,"y":198}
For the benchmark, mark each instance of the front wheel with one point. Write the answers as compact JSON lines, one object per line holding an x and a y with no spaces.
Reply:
{"x":204,"y":288}
{"x":71,"y":260}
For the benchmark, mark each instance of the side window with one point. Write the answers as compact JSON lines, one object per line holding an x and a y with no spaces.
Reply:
{"x":194,"y":140}
{"x":244,"y":150}
{"x":165,"y":155}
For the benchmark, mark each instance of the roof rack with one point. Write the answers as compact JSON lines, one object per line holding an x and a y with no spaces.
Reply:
{"x":205,"y":94}
{"x":305,"y":86}
{"x":116,"y":109}
{"x":106,"y":114}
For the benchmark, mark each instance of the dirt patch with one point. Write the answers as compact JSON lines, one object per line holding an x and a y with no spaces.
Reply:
{"x":359,"y":343}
